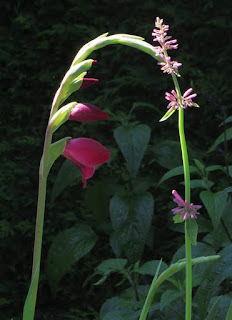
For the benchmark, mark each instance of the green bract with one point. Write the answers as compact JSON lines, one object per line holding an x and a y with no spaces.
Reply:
{"x":61,"y":116}
{"x":72,"y":81}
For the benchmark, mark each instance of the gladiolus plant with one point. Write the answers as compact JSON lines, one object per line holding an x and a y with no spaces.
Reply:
{"x":87,"y":154}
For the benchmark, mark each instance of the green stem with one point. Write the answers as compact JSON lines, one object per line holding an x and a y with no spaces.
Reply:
{"x":188,"y":254}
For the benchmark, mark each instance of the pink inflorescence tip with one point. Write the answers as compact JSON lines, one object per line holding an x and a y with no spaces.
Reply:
{"x":165,"y":43}
{"x":184,"y":208}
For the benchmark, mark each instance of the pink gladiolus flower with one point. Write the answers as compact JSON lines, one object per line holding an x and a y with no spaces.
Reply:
{"x":186,"y":99}
{"x":184,"y":209}
{"x":86,"y":154}
{"x":86,"y":112}
{"x":88,"y":82}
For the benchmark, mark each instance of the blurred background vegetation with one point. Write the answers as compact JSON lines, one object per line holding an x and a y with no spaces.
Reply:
{"x":38,"y":40}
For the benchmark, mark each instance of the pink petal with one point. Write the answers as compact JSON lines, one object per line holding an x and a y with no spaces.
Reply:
{"x":88,"y":82}
{"x":86,"y":112}
{"x":187,"y":92}
{"x":87,"y":152}
{"x":178,"y":198}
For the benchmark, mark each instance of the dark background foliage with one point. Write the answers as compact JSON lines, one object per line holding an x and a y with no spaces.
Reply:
{"x":38,"y":42}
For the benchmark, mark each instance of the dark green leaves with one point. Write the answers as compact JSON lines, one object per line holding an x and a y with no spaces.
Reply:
{"x":132,"y":141}
{"x":68,"y":247}
{"x":131,"y":217}
{"x":215,"y":204}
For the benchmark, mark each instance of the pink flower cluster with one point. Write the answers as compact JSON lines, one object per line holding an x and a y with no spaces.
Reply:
{"x":185,"y":209}
{"x":165,"y":43}
{"x":86,"y":153}
{"x":186,"y":99}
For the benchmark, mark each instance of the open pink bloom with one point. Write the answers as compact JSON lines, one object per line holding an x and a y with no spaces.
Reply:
{"x":88,"y":82}
{"x":184,"y":209}
{"x":86,"y":112}
{"x":186,"y":99}
{"x":86,"y":154}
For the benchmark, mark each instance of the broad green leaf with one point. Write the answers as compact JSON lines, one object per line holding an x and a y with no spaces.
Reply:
{"x":68,"y":247}
{"x":215,"y":275}
{"x":132,"y":141}
{"x":97,"y":198}
{"x":221,"y":138}
{"x":61,"y":116}
{"x":55,"y":151}
{"x":72,"y":81}
{"x":167,"y":115}
{"x":199,"y":183}
{"x":215,"y":167}
{"x":115,"y":309}
{"x":176,"y":172}
{"x":198,"y":270}
{"x":229,"y":313}
{"x":192,"y":230}
{"x":227,"y":120}
{"x":212,"y":314}
{"x":215,"y":204}
{"x":29,"y":306}
{"x":174,"y":268}
{"x":168,"y":154}
{"x":131,"y":217}
{"x":170,"y":296}
{"x":67,"y":175}
{"x":222,"y":308}
{"x":111,"y":265}
{"x":200,"y":166}
{"x":150,"y":267}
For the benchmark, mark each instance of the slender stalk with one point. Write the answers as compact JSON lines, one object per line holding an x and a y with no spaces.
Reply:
{"x":188,"y":254}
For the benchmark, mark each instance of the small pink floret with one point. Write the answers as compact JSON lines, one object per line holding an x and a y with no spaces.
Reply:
{"x":184,"y":209}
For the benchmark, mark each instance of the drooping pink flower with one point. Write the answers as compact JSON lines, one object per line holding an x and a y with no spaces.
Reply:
{"x":184,"y":208}
{"x":165,"y":43}
{"x":186,"y":99}
{"x":87,"y":112}
{"x":88,"y":82}
{"x":86,"y":154}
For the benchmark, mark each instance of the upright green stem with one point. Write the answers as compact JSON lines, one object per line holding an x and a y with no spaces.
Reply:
{"x":188,"y":254}
{"x":43,"y":173}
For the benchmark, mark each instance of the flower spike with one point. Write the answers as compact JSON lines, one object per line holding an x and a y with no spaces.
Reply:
{"x":165,"y":43}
